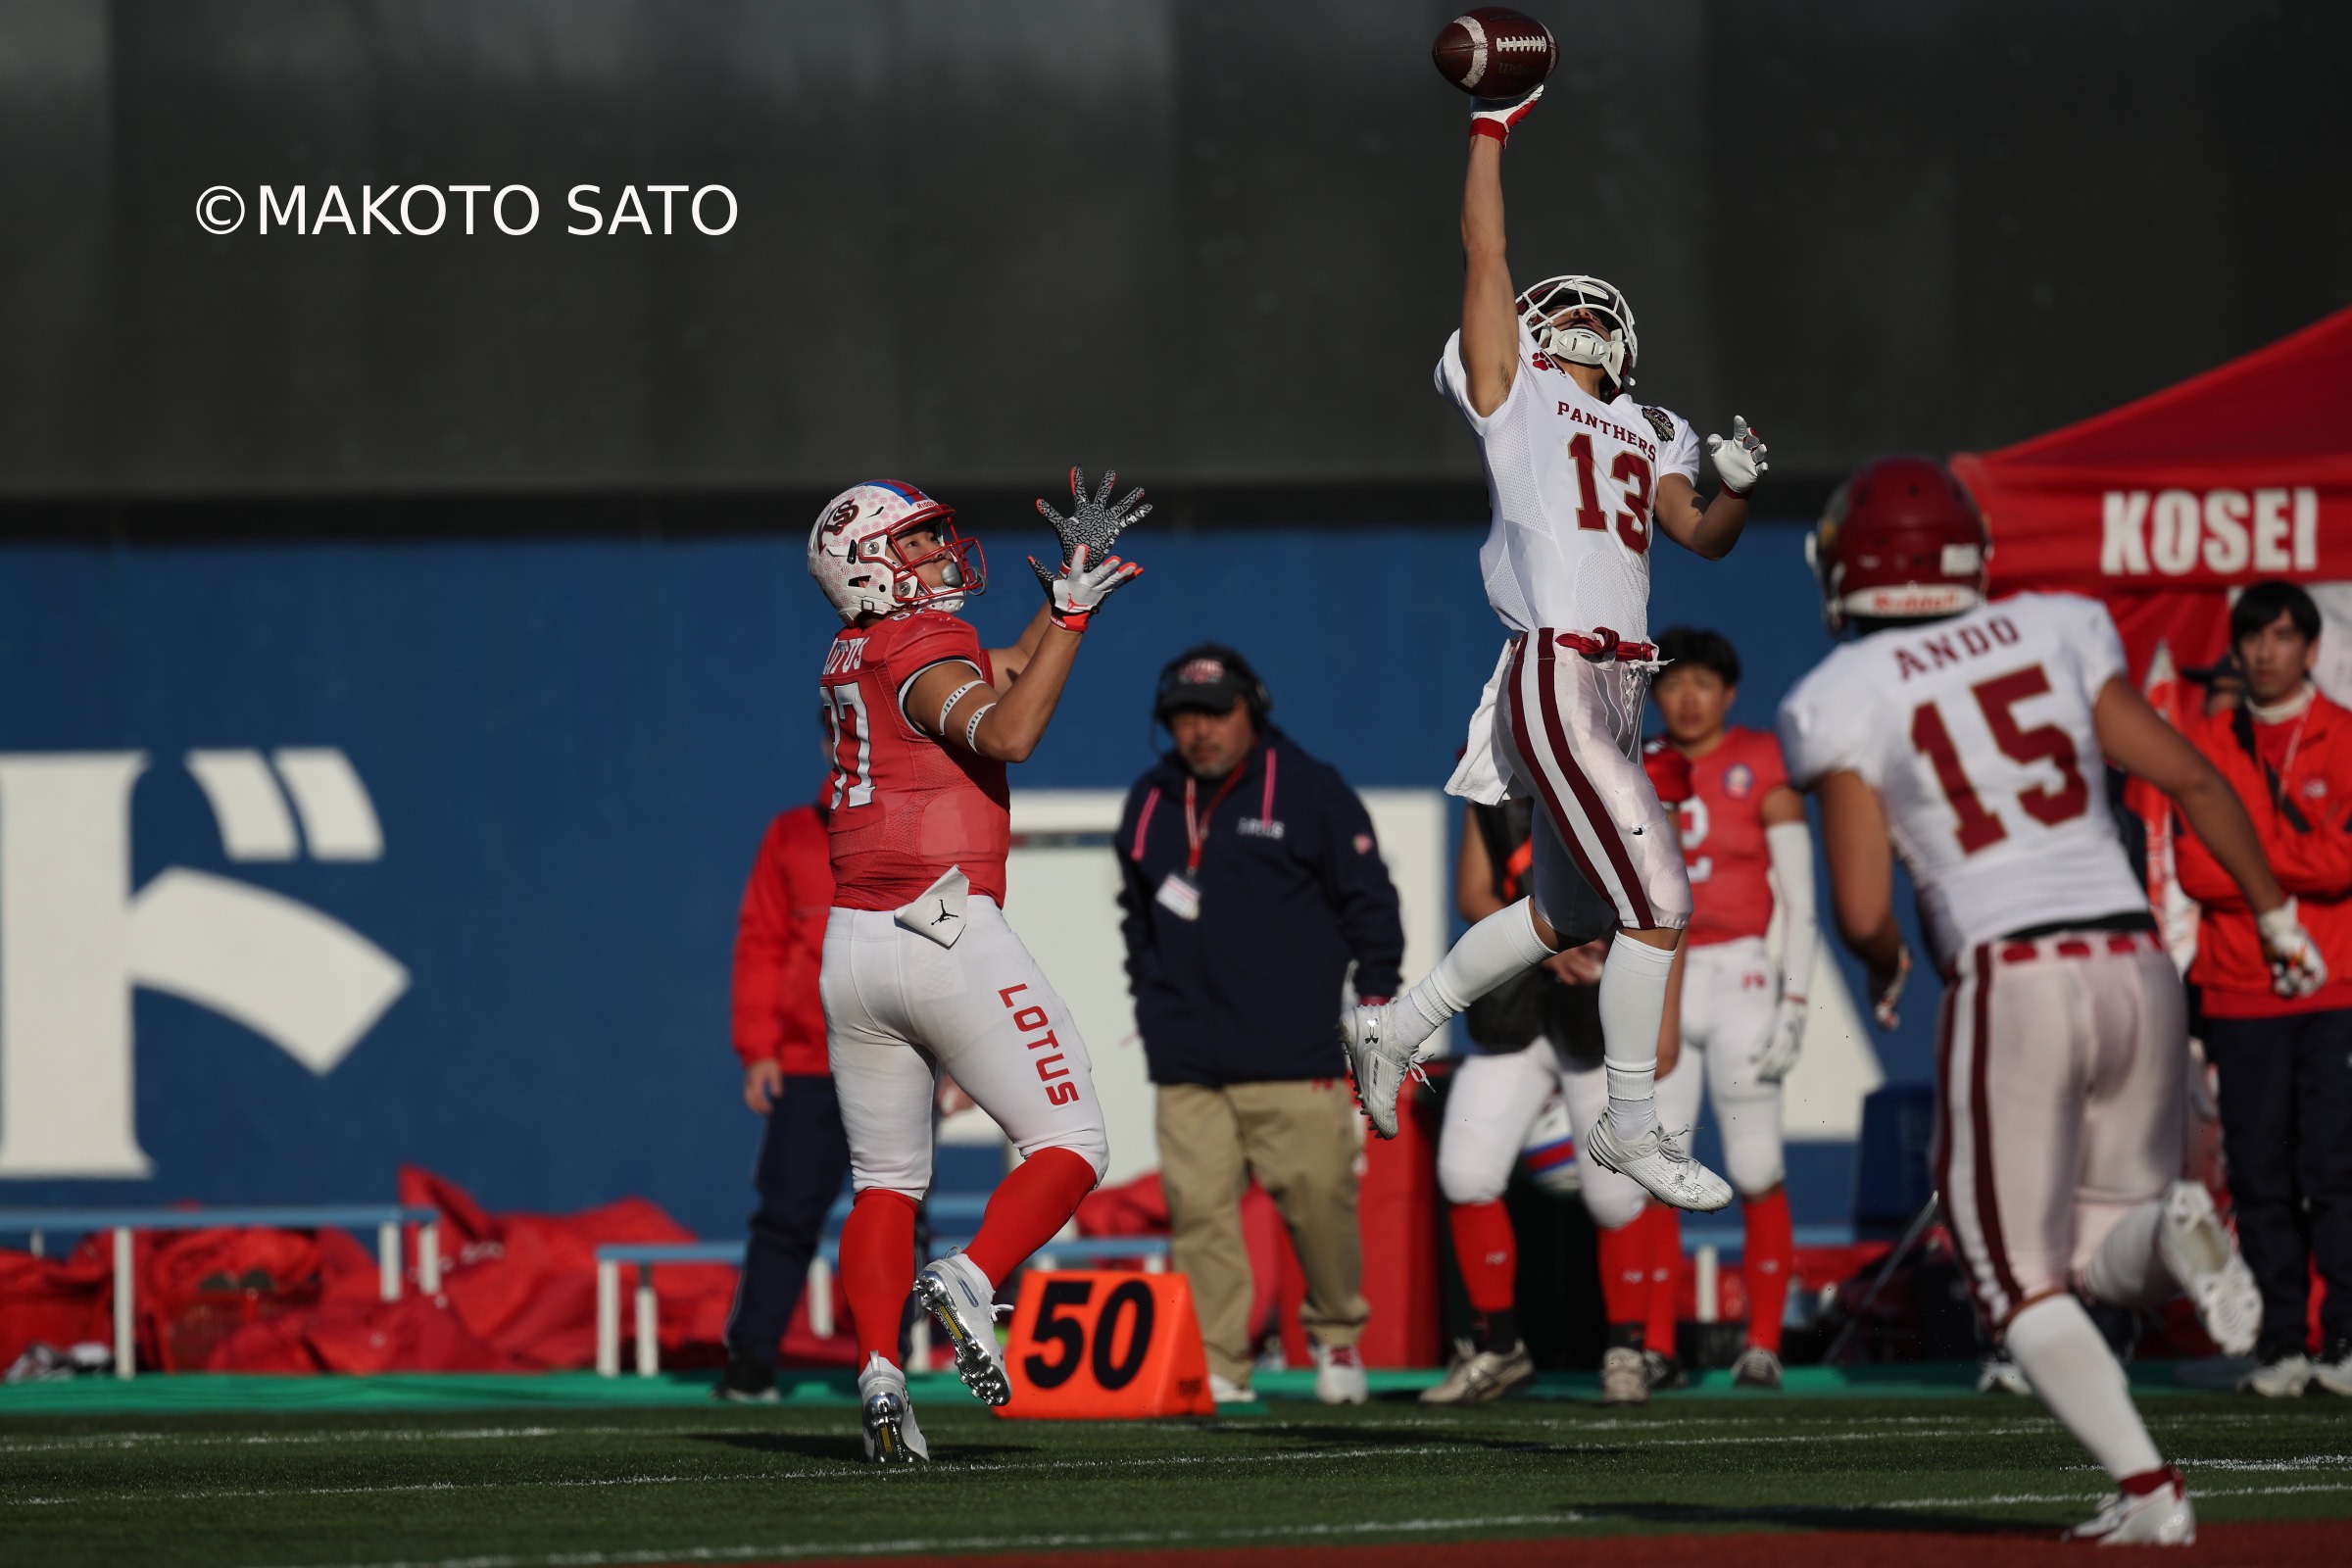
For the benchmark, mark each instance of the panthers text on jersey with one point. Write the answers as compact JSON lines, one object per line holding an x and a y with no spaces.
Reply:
{"x":1572,"y":481}
{"x":1722,"y":837}
{"x":1976,"y":732}
{"x":906,"y":807}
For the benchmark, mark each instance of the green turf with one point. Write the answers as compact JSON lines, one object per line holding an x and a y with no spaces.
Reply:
{"x":193,"y":1391}
{"x":554,"y":1484}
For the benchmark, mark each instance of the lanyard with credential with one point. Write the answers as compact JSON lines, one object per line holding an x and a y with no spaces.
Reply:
{"x":1196,"y":827}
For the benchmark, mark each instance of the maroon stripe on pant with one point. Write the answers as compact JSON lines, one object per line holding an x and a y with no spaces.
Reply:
{"x":1941,"y":1157}
{"x":1989,"y":1212}
{"x":1604,"y":826}
{"x":1551,"y":801}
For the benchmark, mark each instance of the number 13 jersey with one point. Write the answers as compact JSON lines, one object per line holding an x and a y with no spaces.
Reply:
{"x":1572,"y":481}
{"x":1976,"y":732}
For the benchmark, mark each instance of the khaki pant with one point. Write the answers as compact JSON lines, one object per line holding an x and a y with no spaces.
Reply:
{"x":1299,"y":1138}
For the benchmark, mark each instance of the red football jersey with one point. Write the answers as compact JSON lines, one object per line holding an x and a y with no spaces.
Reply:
{"x":905,"y":805}
{"x":1723,"y":836}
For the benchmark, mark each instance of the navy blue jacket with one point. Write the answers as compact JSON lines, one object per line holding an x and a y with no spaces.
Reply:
{"x":1292,"y":888}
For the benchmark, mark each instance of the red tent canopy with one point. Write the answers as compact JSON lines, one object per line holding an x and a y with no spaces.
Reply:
{"x":2160,"y":506}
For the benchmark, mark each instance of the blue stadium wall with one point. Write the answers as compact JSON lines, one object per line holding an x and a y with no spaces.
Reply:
{"x":572,"y":747}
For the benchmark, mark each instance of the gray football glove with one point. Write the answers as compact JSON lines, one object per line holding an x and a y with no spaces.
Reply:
{"x":1096,"y":523}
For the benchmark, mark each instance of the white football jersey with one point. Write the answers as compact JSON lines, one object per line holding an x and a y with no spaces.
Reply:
{"x":1976,"y":734}
{"x":1571,"y":480}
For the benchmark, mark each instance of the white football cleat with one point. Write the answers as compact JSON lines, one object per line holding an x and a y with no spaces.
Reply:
{"x":1624,"y":1376}
{"x":1659,"y":1163}
{"x":891,"y":1435}
{"x":953,"y":1291}
{"x":1479,"y":1376}
{"x":1377,"y":1062}
{"x":2332,"y":1371}
{"x":2158,"y":1518}
{"x":1998,"y":1374}
{"x":1757,"y":1368}
{"x":2198,"y":1252}
{"x":2284,"y":1377}
{"x":1340,"y":1375}
{"x":1224,"y":1390}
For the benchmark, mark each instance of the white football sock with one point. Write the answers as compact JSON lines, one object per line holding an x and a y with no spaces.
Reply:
{"x":1633,"y":1008}
{"x":2055,"y":1342}
{"x":1500,"y":947}
{"x":2125,"y":1271}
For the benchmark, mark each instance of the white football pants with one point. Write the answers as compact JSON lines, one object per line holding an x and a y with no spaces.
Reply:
{"x":1731,"y":993}
{"x":898,"y":1007}
{"x":2059,"y":1070}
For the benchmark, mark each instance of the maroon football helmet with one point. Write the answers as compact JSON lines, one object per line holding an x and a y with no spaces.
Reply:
{"x":1900,"y":540}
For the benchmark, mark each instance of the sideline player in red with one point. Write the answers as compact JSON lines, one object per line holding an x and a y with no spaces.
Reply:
{"x":1747,"y":847}
{"x":1971,"y":740}
{"x":1583,"y":480}
{"x":921,"y":971}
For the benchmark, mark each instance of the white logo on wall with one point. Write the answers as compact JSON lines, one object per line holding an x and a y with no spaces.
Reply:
{"x":75,"y":939}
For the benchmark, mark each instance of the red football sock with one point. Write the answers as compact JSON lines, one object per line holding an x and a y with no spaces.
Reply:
{"x":1487,"y":1250}
{"x":1665,"y":1275}
{"x":1770,"y":1253}
{"x":1624,"y":1271}
{"x":1028,"y":1206}
{"x":877,"y":1269}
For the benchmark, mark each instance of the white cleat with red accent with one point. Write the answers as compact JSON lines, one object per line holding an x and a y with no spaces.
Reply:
{"x":2158,"y":1518}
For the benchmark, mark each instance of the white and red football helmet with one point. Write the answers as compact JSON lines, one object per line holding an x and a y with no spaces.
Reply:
{"x":1613,"y":350}
{"x":1901,"y":540}
{"x":854,"y":552}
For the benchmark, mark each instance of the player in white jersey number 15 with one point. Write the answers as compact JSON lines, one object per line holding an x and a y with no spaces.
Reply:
{"x":1970,"y":739}
{"x":1581,"y":478}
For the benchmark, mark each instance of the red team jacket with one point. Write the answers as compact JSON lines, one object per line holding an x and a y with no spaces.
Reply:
{"x":906,"y":807}
{"x":1719,"y":802}
{"x":2301,"y":805}
{"x":779,"y":943}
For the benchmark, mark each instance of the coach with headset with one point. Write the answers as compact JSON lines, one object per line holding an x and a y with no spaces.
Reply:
{"x":1250,"y":879}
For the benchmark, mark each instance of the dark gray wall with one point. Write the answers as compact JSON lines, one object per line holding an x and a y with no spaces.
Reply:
{"x":1212,"y":239}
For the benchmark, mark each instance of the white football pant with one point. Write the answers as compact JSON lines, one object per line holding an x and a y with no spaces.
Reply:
{"x":898,"y":1007}
{"x":1731,"y":993}
{"x":2060,"y":1104}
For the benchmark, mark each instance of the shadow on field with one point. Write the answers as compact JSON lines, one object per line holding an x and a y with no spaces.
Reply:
{"x":843,"y":1448}
{"x":1862,"y":1517}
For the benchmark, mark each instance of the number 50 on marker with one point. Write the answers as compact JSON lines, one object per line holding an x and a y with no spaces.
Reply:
{"x":1103,"y":1346}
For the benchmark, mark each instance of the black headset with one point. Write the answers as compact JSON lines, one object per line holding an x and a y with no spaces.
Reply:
{"x":1260,"y":701}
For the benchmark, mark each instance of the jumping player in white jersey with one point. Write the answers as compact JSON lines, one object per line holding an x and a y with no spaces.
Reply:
{"x":920,"y":972}
{"x":1971,"y":740}
{"x":1581,"y":478}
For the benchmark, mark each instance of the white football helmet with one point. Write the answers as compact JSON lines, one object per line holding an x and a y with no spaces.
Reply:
{"x":1613,"y":351}
{"x":854,"y":554}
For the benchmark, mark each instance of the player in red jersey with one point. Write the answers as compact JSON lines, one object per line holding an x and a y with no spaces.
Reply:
{"x":920,"y":972}
{"x":1746,"y":848}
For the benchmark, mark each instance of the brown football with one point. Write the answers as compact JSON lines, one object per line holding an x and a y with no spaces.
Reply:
{"x":1495,"y":52}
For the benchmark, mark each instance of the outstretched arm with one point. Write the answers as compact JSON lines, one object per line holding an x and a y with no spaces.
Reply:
{"x":1708,"y":530}
{"x":1490,"y":305}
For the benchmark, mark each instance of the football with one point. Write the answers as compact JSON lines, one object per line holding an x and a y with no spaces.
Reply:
{"x":1495,"y":52}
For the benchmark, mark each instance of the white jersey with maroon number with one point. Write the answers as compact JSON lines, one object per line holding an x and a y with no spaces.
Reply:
{"x":1572,"y":481}
{"x":1976,"y":734}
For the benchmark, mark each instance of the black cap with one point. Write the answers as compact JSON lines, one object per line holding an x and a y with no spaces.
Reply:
{"x":1209,"y":679}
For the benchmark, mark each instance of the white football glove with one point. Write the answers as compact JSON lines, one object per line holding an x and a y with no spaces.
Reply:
{"x":2296,"y":967}
{"x":1881,"y":1006}
{"x":1077,"y":591}
{"x":1495,"y":117}
{"x":1738,"y":462}
{"x":1779,"y":1050}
